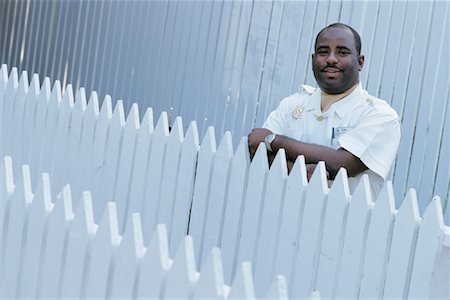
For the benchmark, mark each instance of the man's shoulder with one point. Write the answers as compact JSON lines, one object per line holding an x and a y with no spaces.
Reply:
{"x":302,"y":96}
{"x":380,"y":106}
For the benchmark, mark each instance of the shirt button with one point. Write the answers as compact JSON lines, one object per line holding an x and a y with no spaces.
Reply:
{"x":319,"y":118}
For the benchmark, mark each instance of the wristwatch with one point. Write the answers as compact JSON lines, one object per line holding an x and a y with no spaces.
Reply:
{"x":268,"y":141}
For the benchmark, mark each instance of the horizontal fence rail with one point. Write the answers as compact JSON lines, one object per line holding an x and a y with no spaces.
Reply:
{"x":318,"y":237}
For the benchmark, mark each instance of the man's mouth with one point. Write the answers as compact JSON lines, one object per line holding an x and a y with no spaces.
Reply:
{"x":331,"y":71}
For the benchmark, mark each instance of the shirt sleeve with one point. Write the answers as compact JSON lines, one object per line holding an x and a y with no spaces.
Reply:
{"x":277,"y":121}
{"x":375,"y":141}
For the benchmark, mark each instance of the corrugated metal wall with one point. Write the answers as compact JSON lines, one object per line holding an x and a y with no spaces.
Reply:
{"x":229,"y":63}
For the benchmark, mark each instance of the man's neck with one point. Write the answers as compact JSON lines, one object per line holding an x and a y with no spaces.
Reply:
{"x":328,"y":99}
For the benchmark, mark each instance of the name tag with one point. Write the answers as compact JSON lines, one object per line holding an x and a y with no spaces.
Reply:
{"x":336,"y":133}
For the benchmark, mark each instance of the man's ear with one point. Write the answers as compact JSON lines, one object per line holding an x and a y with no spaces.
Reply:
{"x":361,"y":62}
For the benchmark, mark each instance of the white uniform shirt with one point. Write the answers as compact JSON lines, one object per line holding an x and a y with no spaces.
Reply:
{"x":360,"y":123}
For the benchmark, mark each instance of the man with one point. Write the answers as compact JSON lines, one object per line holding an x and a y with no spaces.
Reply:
{"x":339,"y":122}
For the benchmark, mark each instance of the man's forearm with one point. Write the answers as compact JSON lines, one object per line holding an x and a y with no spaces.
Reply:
{"x":313,"y":153}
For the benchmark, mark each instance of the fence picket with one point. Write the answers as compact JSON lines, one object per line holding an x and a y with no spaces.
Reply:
{"x":110,"y":163}
{"x":102,"y":256}
{"x":210,"y":284}
{"x":53,"y":254}
{"x":17,"y":115}
{"x":124,"y":174}
{"x":305,"y":261}
{"x":153,"y":178}
{"x":234,"y":208}
{"x":154,"y":265}
{"x":71,"y":160}
{"x":294,"y":202}
{"x":130,"y":251}
{"x":426,"y":259}
{"x":279,"y":289}
{"x":57,"y":160}
{"x":8,"y":104}
{"x":38,"y":128}
{"x":355,"y":240}
{"x":3,"y":85}
{"x":379,"y":238}
{"x":220,"y":179}
{"x":268,"y":230}
{"x":169,"y":180}
{"x":73,"y":279}
{"x":51,"y":126}
{"x":402,"y":248}
{"x":14,"y":235}
{"x":200,"y":199}
{"x":243,"y":287}
{"x":185,"y":188}
{"x":183,"y":275}
{"x":86,"y":154}
{"x":28,"y":119}
{"x":97,"y":158}
{"x":35,"y":239}
{"x":333,"y":233}
{"x":246,"y":243}
{"x":142,"y":153}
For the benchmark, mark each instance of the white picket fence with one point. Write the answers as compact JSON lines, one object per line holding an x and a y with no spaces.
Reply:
{"x":318,"y":238}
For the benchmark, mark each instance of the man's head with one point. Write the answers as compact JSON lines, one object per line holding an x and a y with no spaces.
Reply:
{"x":337,"y":58}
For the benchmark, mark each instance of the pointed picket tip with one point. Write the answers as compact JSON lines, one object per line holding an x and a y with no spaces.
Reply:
{"x":87,"y":210}
{"x":242,"y":153}
{"x":185,"y":255}
{"x":340,"y":186}
{"x":159,"y":245}
{"x":93,"y":105}
{"x":80,"y":99}
{"x":23,"y":82}
{"x":56,"y":92}
{"x":279,"y":165}
{"x":192,"y":135}
{"x":298,"y":171}
{"x":106,"y":111}
{"x":363,"y":192}
{"x":279,"y":289}
{"x":116,"y":238}
{"x":133,"y":121}
{"x":386,"y":199}
{"x":211,"y":274}
{"x":243,"y":287}
{"x":4,"y":76}
{"x":260,"y":159}
{"x":13,"y":79}
{"x":47,"y":193}
{"x":146,"y":126}
{"x":35,"y":85}
{"x":226,"y":146}
{"x":433,"y":215}
{"x":27,"y":186}
{"x":8,"y":175}
{"x":147,"y":121}
{"x":138,"y":235}
{"x":209,"y":141}
{"x":46,"y":89}
{"x":318,"y":181}
{"x":68,"y":98}
{"x":162,"y":127}
{"x":176,"y":132}
{"x":119,"y":113}
{"x":66,"y":195}
{"x":409,"y":207}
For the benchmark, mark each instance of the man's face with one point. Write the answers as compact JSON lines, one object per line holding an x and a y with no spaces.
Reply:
{"x":336,"y":63}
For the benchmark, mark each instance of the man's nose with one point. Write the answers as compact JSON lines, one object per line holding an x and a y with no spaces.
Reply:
{"x":332,"y":59}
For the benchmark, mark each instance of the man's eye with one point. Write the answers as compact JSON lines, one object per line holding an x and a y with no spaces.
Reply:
{"x":322,"y":51}
{"x":344,"y":52}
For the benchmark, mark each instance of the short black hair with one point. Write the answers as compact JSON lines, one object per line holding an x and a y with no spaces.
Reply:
{"x":342,"y":25}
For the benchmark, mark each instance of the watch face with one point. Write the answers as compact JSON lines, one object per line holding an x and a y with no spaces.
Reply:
{"x":270,"y":138}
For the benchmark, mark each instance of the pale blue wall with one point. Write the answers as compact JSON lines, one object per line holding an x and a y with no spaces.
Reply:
{"x":228,"y":64}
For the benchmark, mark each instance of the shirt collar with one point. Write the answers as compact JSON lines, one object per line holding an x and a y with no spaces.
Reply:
{"x":346,"y":104}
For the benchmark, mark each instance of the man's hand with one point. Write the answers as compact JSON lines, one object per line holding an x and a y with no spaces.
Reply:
{"x":256,"y":137}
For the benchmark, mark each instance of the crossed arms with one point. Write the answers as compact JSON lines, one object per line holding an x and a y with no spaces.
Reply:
{"x":313,"y":153}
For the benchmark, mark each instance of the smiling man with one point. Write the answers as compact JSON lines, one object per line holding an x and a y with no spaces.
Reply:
{"x":339,"y":122}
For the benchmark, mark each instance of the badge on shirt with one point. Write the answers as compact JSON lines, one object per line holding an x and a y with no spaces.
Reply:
{"x":336,"y":132}
{"x":298,"y":112}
